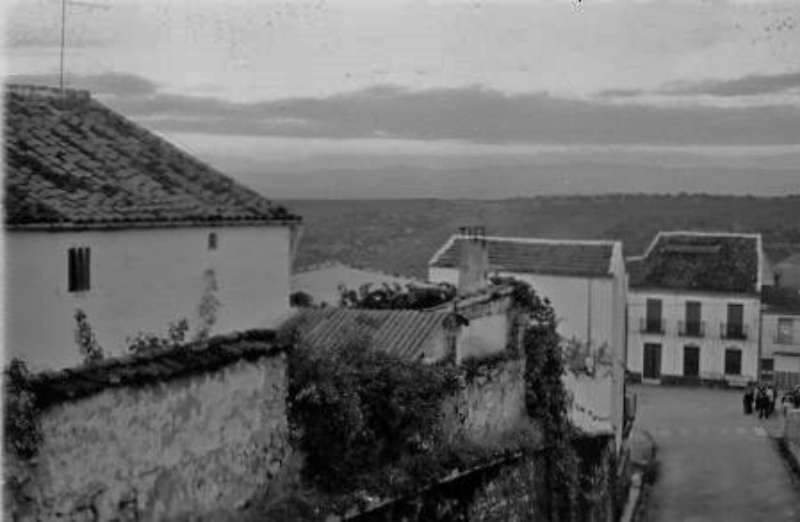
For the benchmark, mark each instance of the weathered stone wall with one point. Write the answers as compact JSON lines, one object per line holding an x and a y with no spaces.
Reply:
{"x":178,"y":448}
{"x":510,"y":489}
{"x":490,"y":401}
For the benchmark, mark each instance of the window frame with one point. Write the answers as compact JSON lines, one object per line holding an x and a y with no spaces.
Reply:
{"x":79,"y":269}
{"x":726,"y":362}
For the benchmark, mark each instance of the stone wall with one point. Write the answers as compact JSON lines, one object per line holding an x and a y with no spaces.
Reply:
{"x":191,"y":445}
{"x":792,"y":432}
{"x":511,"y":489}
{"x":490,"y":401}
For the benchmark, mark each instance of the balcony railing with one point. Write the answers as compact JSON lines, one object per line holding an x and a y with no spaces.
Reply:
{"x":652,"y":326}
{"x":733,"y":331}
{"x":692,"y":328}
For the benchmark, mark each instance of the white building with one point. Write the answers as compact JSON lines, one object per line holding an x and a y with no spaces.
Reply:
{"x":694,"y":308}
{"x":586,"y":284}
{"x":105,"y":217}
{"x":780,"y":336}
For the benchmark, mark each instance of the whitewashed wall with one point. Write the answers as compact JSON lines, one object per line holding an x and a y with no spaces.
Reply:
{"x":141,"y":279}
{"x":714,"y":311}
{"x":769,"y":332}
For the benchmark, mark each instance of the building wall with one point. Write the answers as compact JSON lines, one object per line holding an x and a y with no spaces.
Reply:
{"x":141,"y":280}
{"x":769,"y":335}
{"x":487,"y":404}
{"x":163,"y":451}
{"x":588,"y":309}
{"x":581,"y":304}
{"x":483,"y":336}
{"x":712,"y":347}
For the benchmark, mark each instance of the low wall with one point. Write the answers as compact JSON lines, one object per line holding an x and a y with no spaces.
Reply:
{"x":180,"y":446}
{"x":489,"y":402}
{"x":792,"y":433}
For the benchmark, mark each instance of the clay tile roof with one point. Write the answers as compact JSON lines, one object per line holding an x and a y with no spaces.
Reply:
{"x":403,"y":333}
{"x":537,"y":256}
{"x":73,"y":162}
{"x":699,"y":261}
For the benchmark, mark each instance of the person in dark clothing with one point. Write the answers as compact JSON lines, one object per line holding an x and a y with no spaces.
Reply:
{"x":761,"y":404}
{"x":748,"y":401}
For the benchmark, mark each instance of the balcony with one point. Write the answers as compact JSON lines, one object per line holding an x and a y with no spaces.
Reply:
{"x":651,"y":326}
{"x":784,"y":339}
{"x":733,"y":331}
{"x":692,"y":328}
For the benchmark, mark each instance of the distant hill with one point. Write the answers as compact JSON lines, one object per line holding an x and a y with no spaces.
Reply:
{"x":400,"y":235}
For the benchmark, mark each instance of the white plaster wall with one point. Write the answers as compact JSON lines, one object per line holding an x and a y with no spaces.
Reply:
{"x":712,"y":348}
{"x":141,"y":280}
{"x":570,"y":298}
{"x":483,"y":336}
{"x":769,"y":332}
{"x":787,"y":363}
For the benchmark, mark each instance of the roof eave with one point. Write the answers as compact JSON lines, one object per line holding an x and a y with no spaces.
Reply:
{"x":123,"y":225}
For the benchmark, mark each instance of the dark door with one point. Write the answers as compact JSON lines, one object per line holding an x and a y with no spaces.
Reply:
{"x":691,"y":361}
{"x":652,"y":361}
{"x":654,"y":315}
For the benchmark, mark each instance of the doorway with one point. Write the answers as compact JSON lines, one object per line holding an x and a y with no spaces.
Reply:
{"x":691,"y":361}
{"x":652,"y":361}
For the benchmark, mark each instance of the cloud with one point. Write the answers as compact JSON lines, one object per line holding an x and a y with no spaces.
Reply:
{"x":753,"y":85}
{"x":470,"y":114}
{"x":106,"y":84}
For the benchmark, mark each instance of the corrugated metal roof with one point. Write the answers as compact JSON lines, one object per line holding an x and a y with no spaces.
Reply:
{"x":403,"y":333}
{"x":73,"y":162}
{"x":537,"y":256}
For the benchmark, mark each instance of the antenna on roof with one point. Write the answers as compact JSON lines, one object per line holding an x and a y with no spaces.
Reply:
{"x":64,"y":3}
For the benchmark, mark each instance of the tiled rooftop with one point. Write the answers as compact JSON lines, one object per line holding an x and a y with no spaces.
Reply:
{"x":403,"y":333}
{"x":781,"y":299}
{"x":73,"y":162}
{"x":705,"y":262}
{"x":536,"y":256}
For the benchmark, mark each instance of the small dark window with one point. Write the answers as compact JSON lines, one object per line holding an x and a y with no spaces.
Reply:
{"x":733,"y":361}
{"x":79,"y":269}
{"x":212,"y":241}
{"x":767,"y":365}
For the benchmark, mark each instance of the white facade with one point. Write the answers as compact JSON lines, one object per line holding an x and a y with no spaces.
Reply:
{"x":780,"y":347}
{"x":589,"y":309}
{"x":712,"y":339}
{"x":141,"y":280}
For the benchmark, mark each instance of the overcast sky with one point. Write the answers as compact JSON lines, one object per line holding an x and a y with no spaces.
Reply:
{"x":254,"y":82}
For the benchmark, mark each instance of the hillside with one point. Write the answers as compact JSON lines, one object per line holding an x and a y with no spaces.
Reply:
{"x":401,"y":235}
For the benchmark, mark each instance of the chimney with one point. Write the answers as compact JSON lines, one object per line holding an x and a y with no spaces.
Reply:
{"x":473,"y":265}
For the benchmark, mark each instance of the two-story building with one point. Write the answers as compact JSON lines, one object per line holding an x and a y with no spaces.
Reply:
{"x":104,"y":217}
{"x":780,"y":336}
{"x":585,"y":282}
{"x":694,"y":308}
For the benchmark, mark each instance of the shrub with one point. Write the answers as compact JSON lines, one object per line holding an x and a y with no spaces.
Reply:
{"x":21,"y":424}
{"x":84,"y":337}
{"x":354,"y":410}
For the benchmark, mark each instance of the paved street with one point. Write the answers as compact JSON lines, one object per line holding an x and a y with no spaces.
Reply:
{"x":715,"y":462}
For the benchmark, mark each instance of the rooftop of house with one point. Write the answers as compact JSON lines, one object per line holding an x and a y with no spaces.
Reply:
{"x":781,"y":300}
{"x":71,"y":162}
{"x":403,"y":333}
{"x":699,"y":261}
{"x":577,"y":258}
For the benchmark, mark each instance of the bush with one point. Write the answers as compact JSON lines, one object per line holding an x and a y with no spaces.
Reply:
{"x":355,"y":410}
{"x":21,"y":424}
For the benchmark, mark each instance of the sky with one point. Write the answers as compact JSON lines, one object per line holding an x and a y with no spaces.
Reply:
{"x":258,"y":86}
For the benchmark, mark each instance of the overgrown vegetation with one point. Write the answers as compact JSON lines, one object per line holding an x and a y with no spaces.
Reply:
{"x":145,"y":343}
{"x":395,"y":297}
{"x":86,"y":340}
{"x":355,"y":410}
{"x":208,"y":307}
{"x":21,"y":422}
{"x":548,"y":402}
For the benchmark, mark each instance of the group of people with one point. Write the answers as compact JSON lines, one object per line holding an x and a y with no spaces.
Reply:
{"x":763,"y":398}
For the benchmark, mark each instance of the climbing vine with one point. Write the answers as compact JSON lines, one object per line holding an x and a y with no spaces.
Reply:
{"x":21,"y":422}
{"x":86,"y":340}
